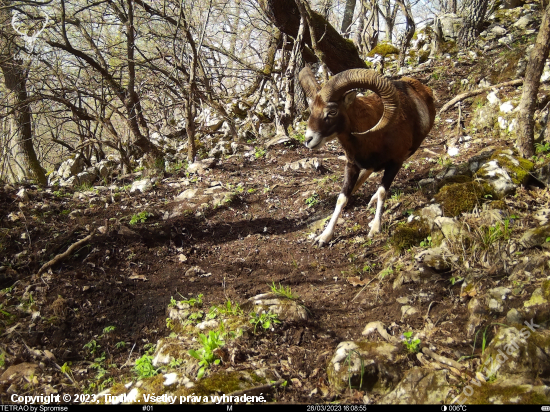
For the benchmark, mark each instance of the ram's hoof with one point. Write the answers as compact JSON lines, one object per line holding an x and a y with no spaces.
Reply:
{"x":320,"y":241}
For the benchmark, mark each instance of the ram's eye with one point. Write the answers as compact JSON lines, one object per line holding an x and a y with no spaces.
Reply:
{"x":333,"y":112}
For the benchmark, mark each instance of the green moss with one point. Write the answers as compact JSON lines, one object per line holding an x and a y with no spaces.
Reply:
{"x":423,"y":56}
{"x":448,"y":47}
{"x":383,"y":49}
{"x":410,"y":235}
{"x":154,"y":385}
{"x":546,"y":289}
{"x":118,"y":389}
{"x":223,"y":382}
{"x":458,"y":198}
{"x":455,"y":179}
{"x":517,"y":167}
{"x":491,"y":393}
{"x":498,"y":204}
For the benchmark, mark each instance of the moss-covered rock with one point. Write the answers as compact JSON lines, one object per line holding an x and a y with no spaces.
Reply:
{"x":458,"y":198}
{"x":420,"y":386}
{"x":370,"y":366}
{"x":384,"y":50}
{"x":410,"y":235}
{"x":536,"y":237}
{"x":517,"y":354}
{"x":505,"y":392}
{"x":518,"y":168}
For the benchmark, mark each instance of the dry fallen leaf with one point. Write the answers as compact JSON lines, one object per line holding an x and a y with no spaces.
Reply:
{"x":356,"y":281}
{"x":135,"y":276}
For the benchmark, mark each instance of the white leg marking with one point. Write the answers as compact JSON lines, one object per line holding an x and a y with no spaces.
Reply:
{"x":380,"y":196}
{"x":326,"y":236}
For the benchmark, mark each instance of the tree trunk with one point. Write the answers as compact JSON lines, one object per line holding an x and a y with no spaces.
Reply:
{"x":409,"y":30}
{"x":531,"y":86}
{"x":473,"y":16}
{"x":324,"y":8}
{"x":15,"y":79}
{"x":348,"y":18}
{"x":340,"y":54}
{"x":389,"y":16}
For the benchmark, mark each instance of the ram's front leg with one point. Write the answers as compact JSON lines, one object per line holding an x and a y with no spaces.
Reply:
{"x":350,"y":178}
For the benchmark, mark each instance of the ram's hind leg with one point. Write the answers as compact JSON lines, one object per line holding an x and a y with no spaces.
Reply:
{"x":380,"y":196}
{"x":350,"y":183}
{"x":363,"y":176}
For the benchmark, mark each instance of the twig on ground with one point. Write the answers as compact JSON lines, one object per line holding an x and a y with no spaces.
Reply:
{"x":63,"y":255}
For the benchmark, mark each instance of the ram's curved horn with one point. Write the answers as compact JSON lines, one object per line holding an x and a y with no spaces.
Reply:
{"x":308,"y":83}
{"x":339,"y":84}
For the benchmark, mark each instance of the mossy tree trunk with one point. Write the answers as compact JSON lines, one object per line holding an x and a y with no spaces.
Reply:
{"x":339,"y":53}
{"x":531,"y":85}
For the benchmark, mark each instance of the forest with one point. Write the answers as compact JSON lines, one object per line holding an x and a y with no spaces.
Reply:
{"x":289,"y":201}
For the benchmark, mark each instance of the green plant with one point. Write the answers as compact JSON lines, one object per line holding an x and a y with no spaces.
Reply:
{"x":205,"y":355}
{"x":398,"y":194}
{"x":542,"y":148}
{"x":174,"y":363}
{"x":192,"y":301}
{"x":259,"y":152}
{"x":107,"y":330}
{"x":385,"y":272}
{"x":120,"y":345}
{"x":140,"y":217}
{"x":484,"y":337}
{"x":83,"y":187}
{"x":413,"y":346}
{"x":230,"y":308}
{"x":427,"y":243}
{"x":144,"y":367}
{"x":284,"y":291}
{"x":312,"y":200}
{"x":92,"y":346}
{"x":264,"y":319}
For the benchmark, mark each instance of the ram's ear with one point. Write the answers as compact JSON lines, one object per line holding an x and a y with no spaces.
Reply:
{"x":349,"y":97}
{"x":309,"y":84}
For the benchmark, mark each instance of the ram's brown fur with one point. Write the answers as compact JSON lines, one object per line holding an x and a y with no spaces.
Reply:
{"x":348,"y":119}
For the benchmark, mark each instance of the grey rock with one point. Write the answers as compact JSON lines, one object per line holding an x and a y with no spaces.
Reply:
{"x":543,"y":173}
{"x":450,"y":26}
{"x":497,"y":177}
{"x":23,"y":194}
{"x":374,"y":364}
{"x":420,"y":386}
{"x":142,"y":185}
{"x":186,"y":194}
{"x":267,"y":131}
{"x":86,"y":178}
{"x":286,"y":309}
{"x":306,"y":164}
{"x":535,"y":237}
{"x":437,"y":258}
{"x":498,"y":31}
{"x":477,"y":161}
{"x":514,"y":317}
{"x":516,"y":353}
{"x":542,"y":215}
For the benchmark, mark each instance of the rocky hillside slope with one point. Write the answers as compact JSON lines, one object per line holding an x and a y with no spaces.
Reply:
{"x":202,"y":281}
